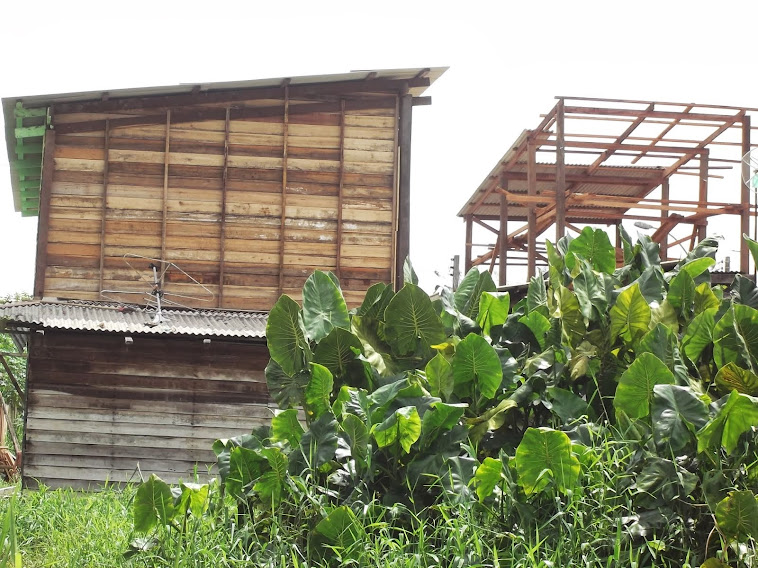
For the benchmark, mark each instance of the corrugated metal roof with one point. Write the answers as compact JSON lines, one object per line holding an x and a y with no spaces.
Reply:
{"x":110,"y":317}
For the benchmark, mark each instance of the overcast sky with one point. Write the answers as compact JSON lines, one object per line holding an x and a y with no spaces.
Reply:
{"x":507,"y":63}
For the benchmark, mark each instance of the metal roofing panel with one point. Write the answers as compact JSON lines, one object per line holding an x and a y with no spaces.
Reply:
{"x":110,"y":317}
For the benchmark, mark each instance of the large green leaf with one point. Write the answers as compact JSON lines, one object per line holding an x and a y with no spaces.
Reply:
{"x":323,"y":306}
{"x":402,"y":426}
{"x":753,"y":246}
{"x":439,"y":373}
{"x":536,"y":296}
{"x":731,"y":377}
{"x":466,"y":297}
{"x":153,"y":504}
{"x":375,"y":349}
{"x":285,"y":336}
{"x":375,"y":301}
{"x":245,"y":467}
{"x":744,"y":291}
{"x":340,"y":527}
{"x":595,"y":247}
{"x":737,"y":516}
{"x":487,"y":477}
{"x":705,"y":299}
{"x":440,"y":417}
{"x":545,"y":454}
{"x":411,"y":322}
{"x":358,"y":434}
{"x":705,"y":248}
{"x":682,"y":293}
{"x":736,"y":338}
{"x":476,"y":368}
{"x":592,"y":290}
{"x":286,"y":426}
{"x":318,"y":392}
{"x":270,"y":484}
{"x":699,"y":334}
{"x":569,"y":312}
{"x":677,"y":414}
{"x":493,"y":310}
{"x":538,"y":324}
{"x":738,"y":415}
{"x":635,"y":389}
{"x":697,"y":266}
{"x":567,"y":406}
{"x":193,"y":498}
{"x":652,"y":284}
{"x":287,"y":391}
{"x":335,"y":351}
{"x":630,"y":315}
{"x":409,"y":275}
{"x":319,"y":442}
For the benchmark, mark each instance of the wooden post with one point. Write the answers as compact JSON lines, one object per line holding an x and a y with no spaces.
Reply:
{"x":665,"y":192}
{"x":467,"y":261}
{"x":48,"y":169}
{"x":503,"y":239}
{"x":745,"y":196}
{"x":283,"y":218}
{"x":104,"y":206}
{"x":222,"y":219}
{"x":164,"y":218}
{"x":560,"y":173}
{"x":404,"y":189}
{"x":340,"y":190}
{"x":531,"y":216}
{"x":703,"y":195}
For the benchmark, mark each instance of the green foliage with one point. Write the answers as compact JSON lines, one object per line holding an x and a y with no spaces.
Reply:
{"x":509,"y":410}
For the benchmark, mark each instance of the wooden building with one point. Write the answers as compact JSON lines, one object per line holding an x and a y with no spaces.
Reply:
{"x":602,"y":161}
{"x":237,"y":192}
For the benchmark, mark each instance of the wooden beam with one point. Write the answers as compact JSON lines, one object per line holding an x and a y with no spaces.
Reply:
{"x":703,"y":190}
{"x":236,"y":95}
{"x":12,"y":377}
{"x":503,"y":237}
{"x":340,"y":189}
{"x":222,"y":239}
{"x":164,"y":217}
{"x":745,"y":198}
{"x":560,"y":172}
{"x":686,"y":158}
{"x":531,"y":214}
{"x":577,"y":178}
{"x":48,"y":170}
{"x":705,"y":117}
{"x":104,"y":207}
{"x":404,"y":188}
{"x":665,"y":190}
{"x":283,"y":218}
{"x":624,"y":135}
{"x":469,"y":235}
{"x":663,"y":133}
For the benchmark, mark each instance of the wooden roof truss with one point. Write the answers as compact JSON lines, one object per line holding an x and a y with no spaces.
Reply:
{"x":600,"y":161}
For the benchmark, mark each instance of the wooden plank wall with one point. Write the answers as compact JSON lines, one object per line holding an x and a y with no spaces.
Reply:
{"x":98,"y":409}
{"x":248,"y":198}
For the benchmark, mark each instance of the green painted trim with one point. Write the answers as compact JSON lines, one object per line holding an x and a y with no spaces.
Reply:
{"x":21,"y":112}
{"x":30,"y":131}
{"x":22,"y":148}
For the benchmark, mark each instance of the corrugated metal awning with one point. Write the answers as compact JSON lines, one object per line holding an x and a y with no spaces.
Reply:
{"x":110,"y":317}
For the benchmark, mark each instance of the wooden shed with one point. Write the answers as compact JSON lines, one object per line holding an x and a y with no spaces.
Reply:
{"x":236,"y":192}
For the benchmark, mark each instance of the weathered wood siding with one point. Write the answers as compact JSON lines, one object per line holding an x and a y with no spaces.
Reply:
{"x":99,"y":409}
{"x":248,"y":197}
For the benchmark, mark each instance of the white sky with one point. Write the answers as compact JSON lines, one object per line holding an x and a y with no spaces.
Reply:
{"x":507,"y":62}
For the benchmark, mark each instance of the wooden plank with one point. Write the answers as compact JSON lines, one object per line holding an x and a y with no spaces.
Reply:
{"x":48,"y":168}
{"x":531,"y":212}
{"x":106,"y":148}
{"x":560,"y":173}
{"x":503,"y":236}
{"x":703,"y":191}
{"x":469,"y":242}
{"x":745,"y":198}
{"x":285,"y":166}
{"x":222,"y":240}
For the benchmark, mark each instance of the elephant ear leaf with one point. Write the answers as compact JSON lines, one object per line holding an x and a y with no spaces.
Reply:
{"x":630,"y":315}
{"x":324,"y":307}
{"x":476,"y":368}
{"x":411,"y":324}
{"x":735,"y":338}
{"x":153,"y":504}
{"x":737,"y":516}
{"x":634,"y":393}
{"x":285,"y":336}
{"x":545,"y":454}
{"x":731,"y":377}
{"x":738,"y":415}
{"x":595,"y":247}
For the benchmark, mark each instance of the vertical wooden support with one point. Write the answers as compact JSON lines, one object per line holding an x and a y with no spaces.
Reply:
{"x":703,"y":193}
{"x":531,"y":216}
{"x":745,"y":196}
{"x":222,"y":219}
{"x":283,"y":219}
{"x":340,"y":189}
{"x":402,"y":249}
{"x":48,"y":170}
{"x":665,"y":192}
{"x":468,"y":245}
{"x":560,"y":173}
{"x":104,"y":208}
{"x":164,"y":218}
{"x":503,"y":239}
